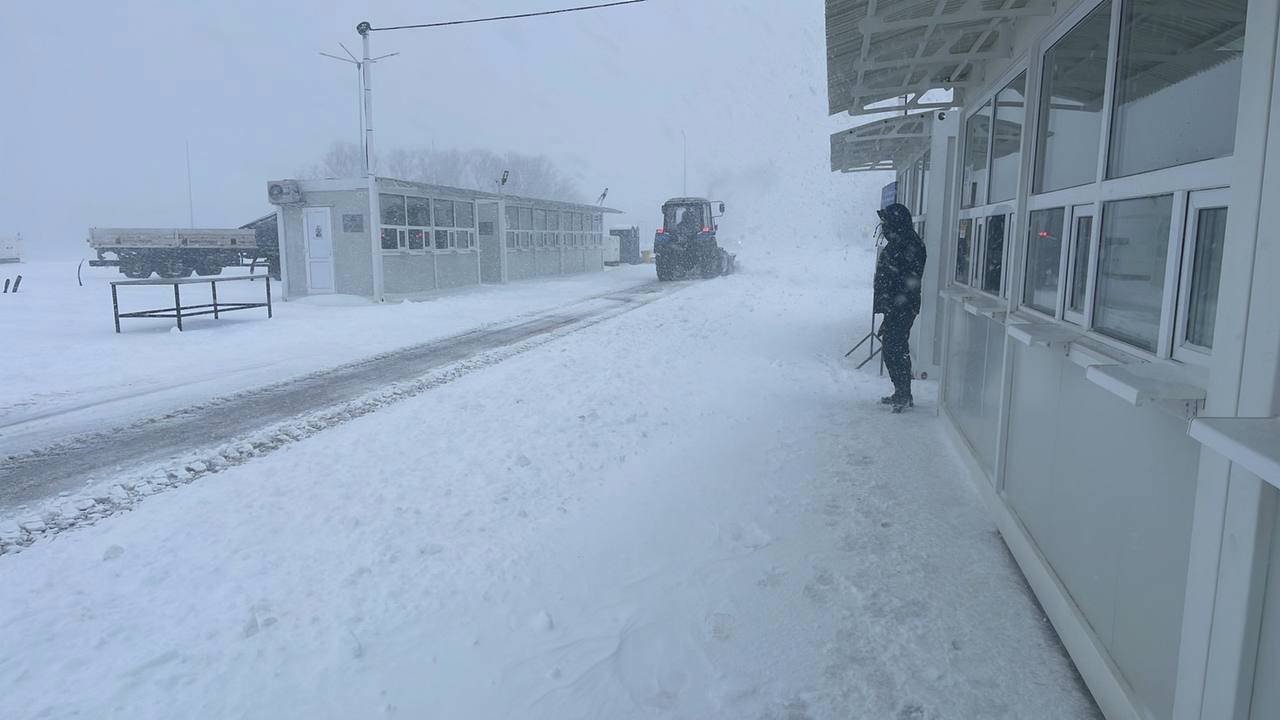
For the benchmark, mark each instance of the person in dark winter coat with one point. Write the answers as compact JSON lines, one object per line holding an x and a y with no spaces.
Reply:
{"x":899,"y":269}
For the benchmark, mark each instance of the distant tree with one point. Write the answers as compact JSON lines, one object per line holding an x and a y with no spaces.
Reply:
{"x":530,"y":175}
{"x":341,"y":160}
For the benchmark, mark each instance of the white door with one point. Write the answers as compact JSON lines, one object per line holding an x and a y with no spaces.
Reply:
{"x":317,"y":228}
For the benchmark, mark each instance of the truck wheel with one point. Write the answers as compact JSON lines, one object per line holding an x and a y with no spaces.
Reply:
{"x":135,"y":271}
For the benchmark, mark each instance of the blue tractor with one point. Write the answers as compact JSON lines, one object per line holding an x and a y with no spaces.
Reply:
{"x":686,"y":244}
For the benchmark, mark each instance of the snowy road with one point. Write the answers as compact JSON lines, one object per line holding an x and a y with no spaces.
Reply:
{"x":694,"y":510}
{"x":31,"y":477}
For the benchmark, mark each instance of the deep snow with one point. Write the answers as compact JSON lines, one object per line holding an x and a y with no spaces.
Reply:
{"x":697,"y":509}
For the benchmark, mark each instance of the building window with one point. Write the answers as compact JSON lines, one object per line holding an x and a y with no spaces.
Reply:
{"x":963,"y":251}
{"x":1006,"y":147}
{"x":442,"y":239}
{"x":993,"y":255}
{"x":390,"y":238}
{"x":1081,"y":240}
{"x":464,"y":215}
{"x":444,"y":213}
{"x":1132,"y":256}
{"x":1208,"y":233}
{"x":977,"y":141}
{"x":391,"y":209}
{"x":417,"y":239}
{"x":1044,"y":260}
{"x":418,"y":212}
{"x":1071,"y":104}
{"x":1178,"y":71}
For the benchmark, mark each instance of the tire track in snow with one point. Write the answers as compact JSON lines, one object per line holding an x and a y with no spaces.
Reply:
{"x":230,"y":431}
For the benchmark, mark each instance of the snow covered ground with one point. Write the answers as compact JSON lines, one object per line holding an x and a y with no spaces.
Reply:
{"x":694,"y":510}
{"x":69,"y":372}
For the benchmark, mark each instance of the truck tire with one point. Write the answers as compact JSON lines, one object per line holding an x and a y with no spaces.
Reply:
{"x":135,"y":270}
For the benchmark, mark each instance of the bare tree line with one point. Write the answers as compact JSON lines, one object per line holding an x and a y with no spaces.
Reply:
{"x":530,"y":175}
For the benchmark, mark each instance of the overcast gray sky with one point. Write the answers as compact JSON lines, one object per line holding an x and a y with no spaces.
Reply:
{"x":101,"y":96}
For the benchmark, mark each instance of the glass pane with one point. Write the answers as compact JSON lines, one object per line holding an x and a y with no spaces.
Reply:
{"x":511,"y":239}
{"x":444,"y":213}
{"x":442,"y":239}
{"x":1075,"y":71}
{"x":416,"y":241}
{"x":1206,"y":267}
{"x":1179,"y":71}
{"x":1044,"y":258}
{"x":977,"y":136}
{"x":1080,"y":264}
{"x":465,"y":214}
{"x":391,"y":209}
{"x":553,"y":220}
{"x":1011,"y":109}
{"x":526,"y":219}
{"x":993,"y":255}
{"x":390,"y":238}
{"x":419,"y":212}
{"x":539,"y":219}
{"x":1131,"y":265}
{"x":513,"y":218}
{"x":962,"y":251}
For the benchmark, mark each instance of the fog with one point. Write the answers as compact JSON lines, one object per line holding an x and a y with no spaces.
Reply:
{"x":105,"y":95}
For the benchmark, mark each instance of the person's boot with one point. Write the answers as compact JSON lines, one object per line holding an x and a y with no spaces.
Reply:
{"x":889,"y":399}
{"x":902,"y":402}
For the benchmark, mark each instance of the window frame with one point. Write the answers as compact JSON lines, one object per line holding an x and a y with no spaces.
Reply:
{"x":1197,"y":200}
{"x":1083,"y":318}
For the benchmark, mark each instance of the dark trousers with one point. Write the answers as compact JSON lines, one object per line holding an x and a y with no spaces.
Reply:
{"x":895,"y":334}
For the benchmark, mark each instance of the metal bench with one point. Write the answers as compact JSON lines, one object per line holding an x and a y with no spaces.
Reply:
{"x":180,"y":311}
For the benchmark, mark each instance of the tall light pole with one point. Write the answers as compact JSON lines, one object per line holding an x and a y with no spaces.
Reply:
{"x":364,"y":106}
{"x":375,"y":218}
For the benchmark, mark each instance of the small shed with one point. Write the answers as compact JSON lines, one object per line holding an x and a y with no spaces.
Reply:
{"x":10,"y":248}
{"x":628,"y":244}
{"x":431,"y":238}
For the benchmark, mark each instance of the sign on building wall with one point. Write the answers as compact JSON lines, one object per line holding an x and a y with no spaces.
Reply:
{"x":888,"y":195}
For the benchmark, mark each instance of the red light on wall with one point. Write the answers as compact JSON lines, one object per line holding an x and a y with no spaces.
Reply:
{"x":662,"y":231}
{"x":1044,"y":233}
{"x":706,"y":229}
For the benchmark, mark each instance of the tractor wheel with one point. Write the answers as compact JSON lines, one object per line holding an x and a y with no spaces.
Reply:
{"x":711,"y":266}
{"x":666,"y":269}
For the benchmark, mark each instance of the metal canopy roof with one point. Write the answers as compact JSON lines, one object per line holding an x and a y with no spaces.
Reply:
{"x":881,"y":50}
{"x":882,"y":145}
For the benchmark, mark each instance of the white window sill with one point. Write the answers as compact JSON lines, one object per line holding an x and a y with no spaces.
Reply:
{"x":1043,"y":334}
{"x":1252,"y":443}
{"x":985,"y":306}
{"x":1089,"y":353}
{"x":1176,"y":387}
{"x":956,"y":292}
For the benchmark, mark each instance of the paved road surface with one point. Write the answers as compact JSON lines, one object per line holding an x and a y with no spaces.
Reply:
{"x":33,"y":476}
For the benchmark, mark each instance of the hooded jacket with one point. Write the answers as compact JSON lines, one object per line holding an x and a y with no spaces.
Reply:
{"x":900,"y":265}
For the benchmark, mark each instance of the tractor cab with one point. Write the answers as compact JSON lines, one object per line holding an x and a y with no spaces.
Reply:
{"x":686,"y":242}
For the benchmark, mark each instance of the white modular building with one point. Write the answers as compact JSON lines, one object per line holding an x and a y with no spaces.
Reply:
{"x":430,"y":238}
{"x":1096,"y":182}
